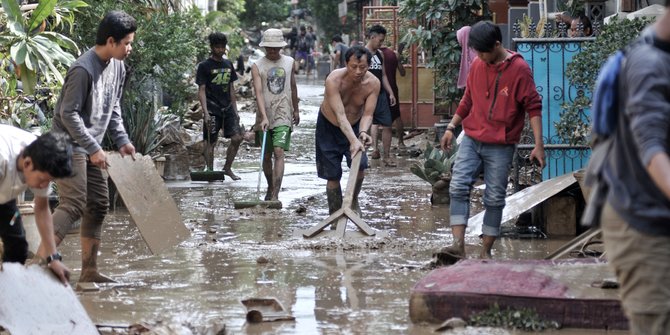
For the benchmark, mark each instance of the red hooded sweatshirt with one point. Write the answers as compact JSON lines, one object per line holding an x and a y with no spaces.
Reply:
{"x":496,"y":98}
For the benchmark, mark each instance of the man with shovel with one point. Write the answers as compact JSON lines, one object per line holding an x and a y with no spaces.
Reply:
{"x":89,"y":106}
{"x":277,"y":100}
{"x":343,"y":122}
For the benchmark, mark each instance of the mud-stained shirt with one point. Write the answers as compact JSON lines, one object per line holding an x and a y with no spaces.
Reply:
{"x":277,"y":92}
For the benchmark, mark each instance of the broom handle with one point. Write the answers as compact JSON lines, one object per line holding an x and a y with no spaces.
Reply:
{"x":260,"y":168}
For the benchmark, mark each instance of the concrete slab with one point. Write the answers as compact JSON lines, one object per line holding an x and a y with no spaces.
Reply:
{"x":562,"y":291}
{"x":524,"y":200}
{"x":33,"y":301}
{"x":148,"y":201}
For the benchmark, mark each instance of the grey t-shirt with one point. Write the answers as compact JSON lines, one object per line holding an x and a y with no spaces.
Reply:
{"x":90,"y":103}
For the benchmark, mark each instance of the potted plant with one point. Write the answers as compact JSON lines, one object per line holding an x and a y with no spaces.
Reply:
{"x":436,"y":170}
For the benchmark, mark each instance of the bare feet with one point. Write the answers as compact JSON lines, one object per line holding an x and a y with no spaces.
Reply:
{"x":389,"y":163}
{"x":230,"y":174}
{"x":94,"y":277}
{"x":485,"y":255}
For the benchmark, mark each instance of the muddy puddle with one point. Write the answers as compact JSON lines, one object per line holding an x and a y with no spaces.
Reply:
{"x":329,"y":286}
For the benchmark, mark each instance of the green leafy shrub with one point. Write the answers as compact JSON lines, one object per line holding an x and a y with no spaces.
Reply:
{"x":524,"y":319}
{"x":574,"y":126}
{"x":437,"y":23}
{"x":437,"y":164}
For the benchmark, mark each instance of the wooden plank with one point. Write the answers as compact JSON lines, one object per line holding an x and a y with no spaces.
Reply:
{"x":524,"y":200}
{"x":344,"y":214}
{"x":33,"y":301}
{"x":148,"y":201}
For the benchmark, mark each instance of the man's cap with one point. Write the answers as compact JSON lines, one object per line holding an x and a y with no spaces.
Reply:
{"x":273,"y":38}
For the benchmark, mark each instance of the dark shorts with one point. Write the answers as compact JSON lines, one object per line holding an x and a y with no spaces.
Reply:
{"x":331,"y":146}
{"x":12,"y":233}
{"x":301,"y":55}
{"x":382,"y":114}
{"x":229,"y":122}
{"x":395,"y":109}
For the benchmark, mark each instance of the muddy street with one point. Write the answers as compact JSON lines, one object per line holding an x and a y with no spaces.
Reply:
{"x":329,"y":286}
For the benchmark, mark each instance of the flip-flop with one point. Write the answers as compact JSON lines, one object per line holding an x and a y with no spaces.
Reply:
{"x":389,"y":163}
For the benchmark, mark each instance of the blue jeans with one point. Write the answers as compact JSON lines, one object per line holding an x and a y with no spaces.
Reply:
{"x":496,"y":160}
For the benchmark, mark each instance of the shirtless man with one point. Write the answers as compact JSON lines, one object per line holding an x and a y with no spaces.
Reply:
{"x":344,"y":119}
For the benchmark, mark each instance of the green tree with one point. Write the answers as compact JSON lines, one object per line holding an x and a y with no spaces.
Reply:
{"x":258,"y":11}
{"x":574,"y":125}
{"x":437,"y":23}
{"x":326,"y":18}
{"x":33,"y":49}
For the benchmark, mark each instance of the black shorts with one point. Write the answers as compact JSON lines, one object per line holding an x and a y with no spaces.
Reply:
{"x":395,"y":109}
{"x":382,"y":114}
{"x":331,"y":146}
{"x":12,"y":233}
{"x":229,"y":122}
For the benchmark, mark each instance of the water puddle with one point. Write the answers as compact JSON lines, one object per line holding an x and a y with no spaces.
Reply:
{"x":329,"y":286}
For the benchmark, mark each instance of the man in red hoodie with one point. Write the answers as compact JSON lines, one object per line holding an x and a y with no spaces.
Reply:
{"x":499,"y":92}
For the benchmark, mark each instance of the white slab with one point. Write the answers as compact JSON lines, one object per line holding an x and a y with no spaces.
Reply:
{"x":33,"y":301}
{"x":524,"y":200}
{"x":148,"y":201}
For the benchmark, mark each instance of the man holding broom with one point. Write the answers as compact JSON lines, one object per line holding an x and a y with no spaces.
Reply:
{"x":215,"y":77}
{"x":343,"y":122}
{"x":277,"y":100}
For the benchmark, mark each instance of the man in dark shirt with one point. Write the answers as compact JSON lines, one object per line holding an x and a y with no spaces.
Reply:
{"x":215,"y":77}
{"x":382,"y":117}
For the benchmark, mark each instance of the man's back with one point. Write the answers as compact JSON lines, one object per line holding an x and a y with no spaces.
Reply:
{"x":390,"y":66}
{"x":12,"y":141}
{"x":640,"y":133}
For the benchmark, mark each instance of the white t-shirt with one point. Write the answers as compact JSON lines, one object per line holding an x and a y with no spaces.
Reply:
{"x":12,"y":182}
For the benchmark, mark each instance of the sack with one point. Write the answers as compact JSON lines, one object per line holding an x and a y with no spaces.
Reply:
{"x":605,"y":117}
{"x":605,"y":106}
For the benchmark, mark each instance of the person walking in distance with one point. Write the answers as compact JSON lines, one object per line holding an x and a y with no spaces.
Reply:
{"x":340,"y":50}
{"x":277,"y":100}
{"x":216,"y":93}
{"x":500,"y":91}
{"x":382,"y":117}
{"x":88,"y":106}
{"x":391,"y":63}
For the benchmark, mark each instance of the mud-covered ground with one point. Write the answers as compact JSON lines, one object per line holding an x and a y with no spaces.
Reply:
{"x":330,"y":286}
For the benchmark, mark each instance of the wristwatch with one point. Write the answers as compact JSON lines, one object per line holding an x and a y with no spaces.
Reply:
{"x":54,"y":257}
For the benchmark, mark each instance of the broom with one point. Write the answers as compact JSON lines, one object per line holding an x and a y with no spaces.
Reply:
{"x":208,"y":175}
{"x":273,"y":204}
